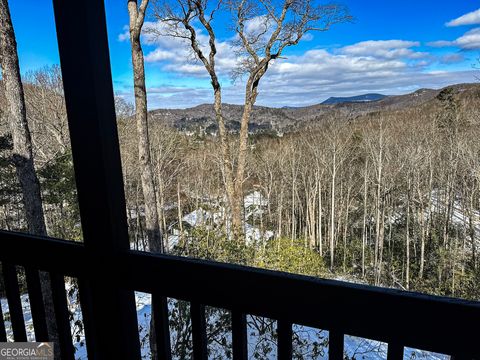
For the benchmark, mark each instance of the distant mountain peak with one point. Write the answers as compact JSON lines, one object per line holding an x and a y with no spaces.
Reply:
{"x":266,"y":121}
{"x":354,"y":99}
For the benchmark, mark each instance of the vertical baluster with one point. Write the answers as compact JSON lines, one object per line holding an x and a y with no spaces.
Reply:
{"x":284,"y":340}
{"x":199,"y":331}
{"x":94,"y":335}
{"x":14,"y":302}
{"x":395,"y":351}
{"x":36,"y":304}
{"x":62,"y":316}
{"x":335,"y":345}
{"x":461,"y":357}
{"x":85,"y":295}
{"x":239,"y":335}
{"x":162,"y":330}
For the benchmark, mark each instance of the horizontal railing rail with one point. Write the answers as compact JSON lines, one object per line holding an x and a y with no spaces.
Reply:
{"x":399,"y":318}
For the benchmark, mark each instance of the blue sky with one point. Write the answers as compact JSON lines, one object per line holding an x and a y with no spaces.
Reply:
{"x":392,"y":47}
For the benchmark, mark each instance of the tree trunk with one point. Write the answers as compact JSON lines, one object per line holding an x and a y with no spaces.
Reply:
{"x":141,"y":116}
{"x":250,"y":98}
{"x":225,"y":148}
{"x":380,"y":244}
{"x":154,"y":237}
{"x":22,"y":153}
{"x":332,"y":213}
{"x":364,"y":227}
{"x":378,"y":206}
{"x":407,"y":239}
{"x":22,"y":142}
{"x":471,"y":228}
{"x":311,"y":203}
{"x":320,"y":235}
{"x":293,"y":223}
{"x":279,"y":215}
{"x":181,"y":240}
{"x":345,"y":230}
{"x":241,"y":164}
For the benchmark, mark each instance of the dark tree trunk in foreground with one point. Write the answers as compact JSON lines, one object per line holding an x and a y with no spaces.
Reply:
{"x":22,"y":151}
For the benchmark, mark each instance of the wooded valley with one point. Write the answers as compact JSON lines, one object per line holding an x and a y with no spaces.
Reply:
{"x":387,"y":197}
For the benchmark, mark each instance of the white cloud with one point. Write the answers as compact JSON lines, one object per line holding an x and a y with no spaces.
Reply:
{"x":173,"y":54}
{"x":362,"y":57}
{"x":468,"y":41}
{"x":452,"y":58}
{"x":159,"y":55}
{"x":308,"y":37}
{"x":303,"y":89}
{"x":167,"y":97}
{"x":441,"y":43}
{"x":388,"y":66}
{"x":467,"y":19}
{"x":187,"y":69}
{"x":388,"y":49}
{"x":258,"y":24}
{"x":326,"y":64}
{"x":125,"y":35}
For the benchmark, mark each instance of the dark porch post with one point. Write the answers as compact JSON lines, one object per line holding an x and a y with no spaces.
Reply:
{"x":109,"y":313}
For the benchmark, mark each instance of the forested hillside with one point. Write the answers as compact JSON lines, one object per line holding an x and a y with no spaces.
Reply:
{"x":387,"y":195}
{"x":200,"y":120}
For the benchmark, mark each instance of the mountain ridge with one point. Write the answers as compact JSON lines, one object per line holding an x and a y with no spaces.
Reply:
{"x":354,"y":99}
{"x":200,"y":119}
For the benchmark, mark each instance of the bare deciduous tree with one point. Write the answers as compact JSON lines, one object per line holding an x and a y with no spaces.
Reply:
{"x":137,"y":17}
{"x":22,"y":150}
{"x":283,"y":25}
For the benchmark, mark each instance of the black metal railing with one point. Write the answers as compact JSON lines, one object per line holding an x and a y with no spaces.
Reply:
{"x":395,"y":317}
{"x":108,"y":272}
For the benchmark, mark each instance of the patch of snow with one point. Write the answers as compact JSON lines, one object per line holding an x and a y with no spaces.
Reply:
{"x":254,"y":235}
{"x":363,"y":348}
{"x":197,"y":217}
{"x":255,"y":199}
{"x":75,"y":311}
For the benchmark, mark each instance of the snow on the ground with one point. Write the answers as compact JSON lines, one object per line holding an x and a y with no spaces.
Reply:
{"x":214,"y":218}
{"x":254,"y":234}
{"x":255,"y":199}
{"x":74,"y":308}
{"x":459,"y":215}
{"x":360,"y":348}
{"x":197,"y":217}
{"x":254,"y":204}
{"x":172,"y":241}
{"x":260,"y":342}
{"x":27,"y":316}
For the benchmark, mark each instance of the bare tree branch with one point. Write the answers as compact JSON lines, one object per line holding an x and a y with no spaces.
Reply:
{"x":262,"y":31}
